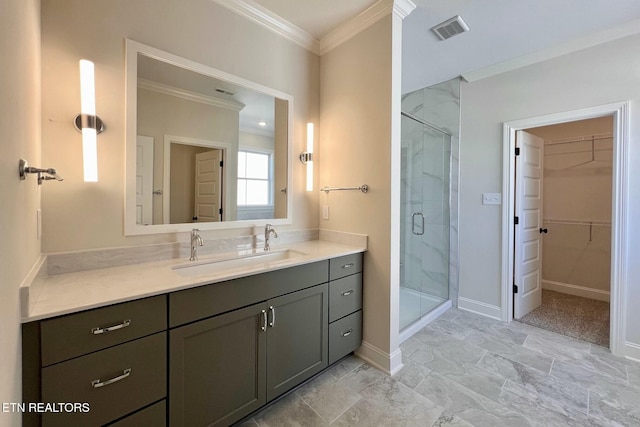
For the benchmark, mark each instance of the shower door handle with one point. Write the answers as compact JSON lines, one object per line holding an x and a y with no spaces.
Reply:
{"x":413,"y":223}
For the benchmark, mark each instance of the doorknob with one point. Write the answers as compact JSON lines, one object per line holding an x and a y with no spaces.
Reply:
{"x":544,"y":230}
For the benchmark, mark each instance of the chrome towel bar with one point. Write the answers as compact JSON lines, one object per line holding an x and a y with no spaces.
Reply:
{"x":364,"y":188}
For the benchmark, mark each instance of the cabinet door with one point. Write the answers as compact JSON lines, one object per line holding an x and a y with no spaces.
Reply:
{"x":296,"y":338}
{"x":217,"y":368}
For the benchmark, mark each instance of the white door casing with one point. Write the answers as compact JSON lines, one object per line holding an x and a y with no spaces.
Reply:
{"x":528,"y":208}
{"x":208,"y":180}
{"x":144,"y":180}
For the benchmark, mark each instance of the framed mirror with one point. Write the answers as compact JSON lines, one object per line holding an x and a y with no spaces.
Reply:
{"x":204,"y":149}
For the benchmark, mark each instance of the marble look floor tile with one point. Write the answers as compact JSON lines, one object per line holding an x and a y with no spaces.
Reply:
{"x":616,"y":392}
{"x":527,"y":381}
{"x":450,"y":314}
{"x":412,"y":373}
{"x":452,"y":328}
{"x":633,"y":373}
{"x":290,"y":411}
{"x":410,"y":346}
{"x":435,"y":344}
{"x":511,"y":351}
{"x":633,"y":367}
{"x":468,"y":405}
{"x":447,"y":420}
{"x":557,"y":346}
{"x":327,"y":396}
{"x":542,"y":415}
{"x":492,"y":327}
{"x":248,"y":423}
{"x":403,"y":404}
{"x":362,"y":377}
{"x":345,"y":366}
{"x":618,"y":415}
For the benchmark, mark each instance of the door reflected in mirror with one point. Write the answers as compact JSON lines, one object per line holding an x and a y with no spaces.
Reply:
{"x":207,"y":150}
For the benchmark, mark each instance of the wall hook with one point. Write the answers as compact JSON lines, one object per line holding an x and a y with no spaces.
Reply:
{"x":43,"y":174}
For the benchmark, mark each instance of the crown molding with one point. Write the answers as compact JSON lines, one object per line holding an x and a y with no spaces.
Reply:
{"x":188,"y":95}
{"x":591,"y":40}
{"x":367,"y":18}
{"x":276,"y":24}
{"x":272,"y":22}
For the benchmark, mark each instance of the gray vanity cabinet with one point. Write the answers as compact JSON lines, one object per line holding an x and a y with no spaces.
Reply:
{"x":296,"y":338}
{"x":217,"y":369}
{"x":225,"y":367}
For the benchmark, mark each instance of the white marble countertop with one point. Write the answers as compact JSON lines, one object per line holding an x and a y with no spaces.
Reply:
{"x":73,"y":292}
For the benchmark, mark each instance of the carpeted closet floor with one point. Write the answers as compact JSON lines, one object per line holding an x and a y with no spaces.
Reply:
{"x":577,"y":317}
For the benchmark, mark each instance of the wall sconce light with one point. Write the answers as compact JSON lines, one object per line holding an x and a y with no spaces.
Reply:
{"x":306,"y":157}
{"x":87,"y":122}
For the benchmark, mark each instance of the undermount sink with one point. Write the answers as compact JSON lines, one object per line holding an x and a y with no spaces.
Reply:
{"x":265,"y":259}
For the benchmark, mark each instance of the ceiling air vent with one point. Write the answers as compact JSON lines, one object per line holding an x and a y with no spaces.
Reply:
{"x":450,"y":27}
{"x":225,"y":91}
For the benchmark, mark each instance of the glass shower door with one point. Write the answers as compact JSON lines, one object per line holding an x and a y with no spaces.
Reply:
{"x":424,"y":238}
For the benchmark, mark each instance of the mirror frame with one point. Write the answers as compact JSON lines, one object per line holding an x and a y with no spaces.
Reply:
{"x":131,"y":228}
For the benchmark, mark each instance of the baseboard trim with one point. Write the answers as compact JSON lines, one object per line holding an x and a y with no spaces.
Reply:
{"x":479,"y":307}
{"x":576,"y":290}
{"x":387,"y":363}
{"x":632,"y":351}
{"x":410,"y":330}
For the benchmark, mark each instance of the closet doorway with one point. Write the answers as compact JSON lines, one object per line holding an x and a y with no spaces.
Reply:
{"x":618,"y":282}
{"x":573,"y":244}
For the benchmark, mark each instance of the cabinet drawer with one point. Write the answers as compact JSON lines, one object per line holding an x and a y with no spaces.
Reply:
{"x":345,"y":296}
{"x":206,"y":301}
{"x":345,"y":335}
{"x":153,"y":416}
{"x":345,"y":265}
{"x":132,"y":375}
{"x":81,"y":333}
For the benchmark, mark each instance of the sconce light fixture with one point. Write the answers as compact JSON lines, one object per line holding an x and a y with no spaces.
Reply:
{"x":87,"y":122}
{"x":306,"y":157}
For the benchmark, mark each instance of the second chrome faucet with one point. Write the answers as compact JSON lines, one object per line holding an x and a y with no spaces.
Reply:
{"x":268,"y":231}
{"x":196,"y":241}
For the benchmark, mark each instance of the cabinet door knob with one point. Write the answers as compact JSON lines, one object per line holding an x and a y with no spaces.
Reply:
{"x":273,"y":316}
{"x":98,"y":331}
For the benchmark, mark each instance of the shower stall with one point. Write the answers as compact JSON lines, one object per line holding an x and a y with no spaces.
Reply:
{"x":428,"y":242}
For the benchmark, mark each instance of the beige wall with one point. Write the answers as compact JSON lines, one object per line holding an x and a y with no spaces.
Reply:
{"x":19,"y":138}
{"x":183,"y":184}
{"x":577,"y":189}
{"x":596,"y":76}
{"x":80,"y":215}
{"x":355,"y":149}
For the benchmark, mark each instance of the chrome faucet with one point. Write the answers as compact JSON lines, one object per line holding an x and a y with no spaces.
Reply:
{"x":196,"y":241}
{"x":268,"y":230}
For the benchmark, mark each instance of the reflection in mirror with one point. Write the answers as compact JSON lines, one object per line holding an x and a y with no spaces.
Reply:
{"x":207,"y":149}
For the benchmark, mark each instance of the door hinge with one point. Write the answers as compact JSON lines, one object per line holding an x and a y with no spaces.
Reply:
{"x":517,"y":151}
{"x":220,"y":211}
{"x":221,"y":163}
{"x":516,"y":220}
{"x":515,"y":288}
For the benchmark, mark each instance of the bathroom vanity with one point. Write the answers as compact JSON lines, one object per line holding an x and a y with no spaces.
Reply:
{"x":207,"y":354}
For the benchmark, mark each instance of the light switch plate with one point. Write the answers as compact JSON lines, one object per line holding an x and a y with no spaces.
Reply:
{"x":491,"y":198}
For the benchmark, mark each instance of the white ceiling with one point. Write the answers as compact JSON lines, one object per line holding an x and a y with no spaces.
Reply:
{"x":500,"y":29}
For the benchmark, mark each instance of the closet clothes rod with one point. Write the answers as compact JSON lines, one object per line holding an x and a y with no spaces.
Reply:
{"x":364,"y":188}
{"x":592,"y":139}
{"x":575,"y":222}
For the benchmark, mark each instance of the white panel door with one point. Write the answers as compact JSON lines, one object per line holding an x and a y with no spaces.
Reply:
{"x":208,"y":197}
{"x":144,"y":180}
{"x":528,"y":245}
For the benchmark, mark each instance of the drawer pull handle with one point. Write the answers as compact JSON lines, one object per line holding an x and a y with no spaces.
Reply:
{"x":347,"y":293}
{"x":347,"y":333}
{"x":97,"y":383}
{"x":98,"y":331}
{"x":273,"y":316}
{"x":264,"y":320}
{"x":348,"y":265}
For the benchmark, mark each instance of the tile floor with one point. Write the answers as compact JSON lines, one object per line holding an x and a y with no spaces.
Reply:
{"x":468,"y":370}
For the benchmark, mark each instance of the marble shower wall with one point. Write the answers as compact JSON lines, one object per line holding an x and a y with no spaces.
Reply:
{"x":438,"y":105}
